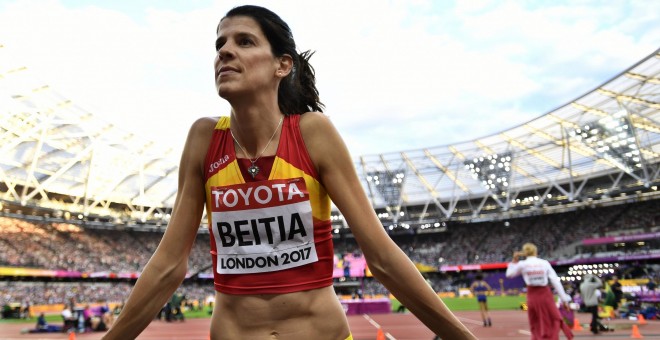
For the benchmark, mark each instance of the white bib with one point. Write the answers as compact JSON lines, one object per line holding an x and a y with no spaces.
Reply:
{"x":262,"y":226}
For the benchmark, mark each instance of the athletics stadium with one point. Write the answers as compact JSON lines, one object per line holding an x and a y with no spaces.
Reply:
{"x":83,"y":205}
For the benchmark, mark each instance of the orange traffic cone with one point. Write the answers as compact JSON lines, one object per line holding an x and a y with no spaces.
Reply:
{"x":635,"y":333}
{"x":576,"y":325}
{"x":72,"y":335}
{"x":640,"y":319}
{"x":380,"y":335}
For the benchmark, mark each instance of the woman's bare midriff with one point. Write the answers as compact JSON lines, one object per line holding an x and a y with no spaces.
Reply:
{"x":311,"y":314}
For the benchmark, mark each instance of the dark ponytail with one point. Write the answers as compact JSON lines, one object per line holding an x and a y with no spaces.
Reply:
{"x":297,"y":93}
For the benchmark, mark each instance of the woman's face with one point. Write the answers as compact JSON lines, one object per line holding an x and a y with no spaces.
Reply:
{"x":244,"y":63}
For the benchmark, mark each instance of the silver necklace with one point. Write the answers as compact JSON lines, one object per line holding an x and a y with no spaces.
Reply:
{"x":253,"y":170}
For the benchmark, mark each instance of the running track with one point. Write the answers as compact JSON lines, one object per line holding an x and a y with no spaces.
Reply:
{"x":509,"y":325}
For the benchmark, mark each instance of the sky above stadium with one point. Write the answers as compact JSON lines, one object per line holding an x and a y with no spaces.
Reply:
{"x":394,"y":75}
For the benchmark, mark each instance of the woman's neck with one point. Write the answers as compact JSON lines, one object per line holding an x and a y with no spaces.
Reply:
{"x":255,"y":128}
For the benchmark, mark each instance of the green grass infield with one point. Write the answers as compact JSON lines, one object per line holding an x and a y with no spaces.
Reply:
{"x":454,"y":304}
{"x":470,"y":303}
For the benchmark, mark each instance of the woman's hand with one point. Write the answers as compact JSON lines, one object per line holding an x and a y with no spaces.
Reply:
{"x":517,"y":255}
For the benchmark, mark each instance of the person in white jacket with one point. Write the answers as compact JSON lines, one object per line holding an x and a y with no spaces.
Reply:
{"x":589,"y":289}
{"x":544,"y":319}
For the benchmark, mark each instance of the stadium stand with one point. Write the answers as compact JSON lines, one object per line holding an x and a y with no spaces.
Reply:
{"x":113,"y":259}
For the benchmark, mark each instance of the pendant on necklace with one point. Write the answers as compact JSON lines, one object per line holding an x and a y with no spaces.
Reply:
{"x":253,"y":170}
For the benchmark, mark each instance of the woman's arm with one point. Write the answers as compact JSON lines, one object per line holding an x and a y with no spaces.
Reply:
{"x":514,"y":268}
{"x":167,"y":267}
{"x":556,"y":283}
{"x":385,"y":259}
{"x":598,"y":281}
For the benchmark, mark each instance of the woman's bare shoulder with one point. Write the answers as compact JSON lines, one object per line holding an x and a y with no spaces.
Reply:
{"x":314,"y":119}
{"x":204,"y":123}
{"x":316,"y":125}
{"x":198,"y":139}
{"x":201,"y":129}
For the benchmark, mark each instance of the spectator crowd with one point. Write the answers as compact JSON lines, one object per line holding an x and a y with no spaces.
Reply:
{"x":67,"y":247}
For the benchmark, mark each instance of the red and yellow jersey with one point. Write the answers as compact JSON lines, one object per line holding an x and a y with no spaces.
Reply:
{"x":271,"y":234}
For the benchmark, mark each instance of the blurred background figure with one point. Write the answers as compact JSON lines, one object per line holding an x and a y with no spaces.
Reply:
{"x":590,"y":292}
{"x":479,"y":288}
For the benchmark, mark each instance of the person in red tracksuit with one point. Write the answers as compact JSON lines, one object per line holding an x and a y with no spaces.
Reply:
{"x":544,"y":319}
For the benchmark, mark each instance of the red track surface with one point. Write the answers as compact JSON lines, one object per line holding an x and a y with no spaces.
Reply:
{"x":509,"y":325}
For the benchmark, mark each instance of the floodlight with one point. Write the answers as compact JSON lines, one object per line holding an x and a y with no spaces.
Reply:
{"x":493,"y":171}
{"x":389,"y":185}
{"x":612,"y":138}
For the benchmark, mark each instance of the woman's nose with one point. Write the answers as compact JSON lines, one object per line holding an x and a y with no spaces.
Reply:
{"x":225,"y":52}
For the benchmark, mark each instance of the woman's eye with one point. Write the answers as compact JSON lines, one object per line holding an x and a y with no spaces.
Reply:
{"x":245,"y":42}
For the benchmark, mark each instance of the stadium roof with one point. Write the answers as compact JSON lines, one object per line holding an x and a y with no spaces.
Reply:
{"x":603,"y":143}
{"x":54,"y":153}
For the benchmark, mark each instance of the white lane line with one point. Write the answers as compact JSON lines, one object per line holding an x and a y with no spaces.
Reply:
{"x":375,"y":324}
{"x":472,"y":321}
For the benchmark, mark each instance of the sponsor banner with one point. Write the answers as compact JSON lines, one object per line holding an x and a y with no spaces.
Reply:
{"x":128,"y":275}
{"x":499,"y":265}
{"x":450,"y":269}
{"x":483,"y":266}
{"x":350,"y":266}
{"x":622,"y":238}
{"x":649,"y":256}
{"x":19,"y":271}
{"x":205,"y":275}
{"x":100,"y":274}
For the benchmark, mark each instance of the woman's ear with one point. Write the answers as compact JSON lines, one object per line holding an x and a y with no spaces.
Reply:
{"x":285,"y":65}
